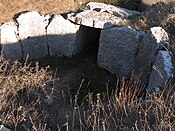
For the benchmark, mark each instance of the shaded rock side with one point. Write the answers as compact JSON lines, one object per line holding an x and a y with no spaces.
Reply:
{"x":162,"y":71}
{"x":155,"y":40}
{"x":91,"y":18}
{"x":11,"y":47}
{"x":61,"y":34}
{"x":116,"y":11}
{"x":3,"y":128}
{"x":86,"y":36}
{"x":33,"y":34}
{"x":117,"y":50}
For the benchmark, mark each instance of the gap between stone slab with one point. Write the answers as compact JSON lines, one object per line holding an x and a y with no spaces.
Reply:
{"x":50,"y":20}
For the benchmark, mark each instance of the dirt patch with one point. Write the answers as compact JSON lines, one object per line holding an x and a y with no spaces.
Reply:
{"x":9,"y":8}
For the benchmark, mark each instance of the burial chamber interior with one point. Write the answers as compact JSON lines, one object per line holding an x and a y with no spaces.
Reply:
{"x":87,"y":41}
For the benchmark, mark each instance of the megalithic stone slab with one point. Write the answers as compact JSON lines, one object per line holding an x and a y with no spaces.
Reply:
{"x":91,"y":18}
{"x":114,"y":10}
{"x":61,"y":34}
{"x":162,"y":71}
{"x":152,"y":42}
{"x":32,"y":33}
{"x":117,"y":50}
{"x":11,"y":47}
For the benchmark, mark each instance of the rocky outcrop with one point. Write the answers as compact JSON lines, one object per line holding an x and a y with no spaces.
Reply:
{"x":10,"y":44}
{"x":162,"y":71}
{"x":152,"y":42}
{"x":32,"y":33}
{"x":123,"y":50}
{"x":117,"y":50}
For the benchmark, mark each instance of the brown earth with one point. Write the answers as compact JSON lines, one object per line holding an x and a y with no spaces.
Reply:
{"x":9,"y":8}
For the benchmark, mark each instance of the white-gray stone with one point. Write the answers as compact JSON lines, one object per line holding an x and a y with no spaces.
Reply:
{"x":162,"y":71}
{"x":61,"y":34}
{"x":11,"y":47}
{"x":152,"y":42}
{"x":3,"y":128}
{"x":117,"y":11}
{"x":33,"y":34}
{"x":91,"y":18}
{"x":117,"y":50}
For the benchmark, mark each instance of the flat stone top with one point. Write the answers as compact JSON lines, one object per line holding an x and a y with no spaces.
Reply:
{"x":100,"y":15}
{"x":95,"y":19}
{"x":114,"y":10}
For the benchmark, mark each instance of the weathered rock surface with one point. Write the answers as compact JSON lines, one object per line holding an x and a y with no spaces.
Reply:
{"x":152,"y":42}
{"x":3,"y":128}
{"x":91,"y":18}
{"x":32,"y":33}
{"x":117,"y":50}
{"x":61,"y":34}
{"x":66,"y":38}
{"x":11,"y":47}
{"x":162,"y":71}
{"x":116,"y":11}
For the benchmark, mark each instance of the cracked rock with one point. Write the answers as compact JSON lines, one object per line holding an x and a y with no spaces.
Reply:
{"x":155,"y":40}
{"x":11,"y":47}
{"x":61,"y":34}
{"x":32,"y":33}
{"x":117,"y":50}
{"x":91,"y":18}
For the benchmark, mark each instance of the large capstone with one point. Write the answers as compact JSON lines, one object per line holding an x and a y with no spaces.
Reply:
{"x":162,"y":71}
{"x":91,"y":18}
{"x":114,"y":10}
{"x":9,"y":40}
{"x":117,"y":50}
{"x":32,"y":33}
{"x":155,"y":40}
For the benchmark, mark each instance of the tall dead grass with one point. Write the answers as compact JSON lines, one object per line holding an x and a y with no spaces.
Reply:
{"x":27,"y":92}
{"x":23,"y":90}
{"x":128,"y":110}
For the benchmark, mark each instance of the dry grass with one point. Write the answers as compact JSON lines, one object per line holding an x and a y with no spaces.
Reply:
{"x":30,"y":97}
{"x":23,"y":89}
{"x":28,"y":103}
{"x":9,"y":8}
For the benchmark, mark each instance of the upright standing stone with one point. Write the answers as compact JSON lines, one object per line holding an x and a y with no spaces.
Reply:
{"x":152,"y":42}
{"x":117,"y":50}
{"x":162,"y":71}
{"x":11,"y":47}
{"x":33,"y":34}
{"x":61,"y":34}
